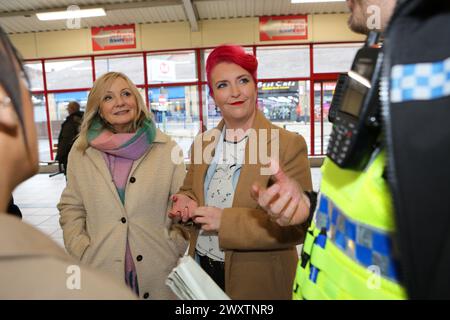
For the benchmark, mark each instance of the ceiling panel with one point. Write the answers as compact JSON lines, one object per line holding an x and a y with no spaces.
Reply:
{"x":253,"y":8}
{"x":18,"y":16}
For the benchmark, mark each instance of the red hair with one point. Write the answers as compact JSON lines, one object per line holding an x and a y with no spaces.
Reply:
{"x":231,"y":54}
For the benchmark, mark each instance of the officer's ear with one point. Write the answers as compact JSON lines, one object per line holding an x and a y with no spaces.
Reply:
{"x":9,"y":122}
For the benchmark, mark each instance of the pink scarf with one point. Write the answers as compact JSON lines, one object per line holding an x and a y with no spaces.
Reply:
{"x":120,"y":150}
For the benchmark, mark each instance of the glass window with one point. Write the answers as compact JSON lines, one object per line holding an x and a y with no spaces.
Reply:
{"x":211,"y":113}
{"x":323,"y":94}
{"x":176,"y":111}
{"x":57,"y":104}
{"x":142,"y":92}
{"x":283,"y":62}
{"x":132,"y":66}
{"x":40,"y":120}
{"x":171,"y":67}
{"x":34,"y":72}
{"x":331,"y":58}
{"x":286,"y":104}
{"x":68,"y":74}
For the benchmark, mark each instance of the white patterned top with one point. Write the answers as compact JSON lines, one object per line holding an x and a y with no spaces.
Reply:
{"x":220,"y":192}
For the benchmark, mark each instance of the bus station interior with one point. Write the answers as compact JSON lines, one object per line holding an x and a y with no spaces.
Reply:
{"x":296,"y":78}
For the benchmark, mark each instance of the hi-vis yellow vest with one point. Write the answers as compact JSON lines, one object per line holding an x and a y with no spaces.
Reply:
{"x":348,"y":251}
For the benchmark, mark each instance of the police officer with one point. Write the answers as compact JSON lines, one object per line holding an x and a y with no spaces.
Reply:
{"x":378,"y":238}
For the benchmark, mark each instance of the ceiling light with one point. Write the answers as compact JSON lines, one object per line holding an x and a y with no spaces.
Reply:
{"x":71,"y":14}
{"x":315,"y":1}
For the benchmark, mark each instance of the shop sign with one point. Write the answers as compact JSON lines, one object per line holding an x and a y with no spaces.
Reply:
{"x":283,"y":28}
{"x":113,"y":37}
{"x":278,"y":86}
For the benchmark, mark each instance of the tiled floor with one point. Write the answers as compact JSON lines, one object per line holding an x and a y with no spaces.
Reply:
{"x":37,"y":199}
{"x":38,"y":196}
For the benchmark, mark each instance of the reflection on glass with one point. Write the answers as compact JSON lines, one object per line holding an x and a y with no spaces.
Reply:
{"x":286,"y":104}
{"x":57,"y":104}
{"x":283,"y":62}
{"x":211,"y":113}
{"x":132,"y":66}
{"x":176,"y":112}
{"x":35,"y":75}
{"x":171,"y":67}
{"x":68,"y":74}
{"x":40,"y":119}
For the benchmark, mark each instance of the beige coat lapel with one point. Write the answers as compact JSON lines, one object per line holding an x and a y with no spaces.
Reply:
{"x":251,"y":173}
{"x":99,"y":162}
{"x":97,"y":159}
{"x":210,"y":137}
{"x":159,"y":138}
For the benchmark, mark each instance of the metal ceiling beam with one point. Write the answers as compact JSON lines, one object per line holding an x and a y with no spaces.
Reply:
{"x":191,"y":14}
{"x":107,"y":7}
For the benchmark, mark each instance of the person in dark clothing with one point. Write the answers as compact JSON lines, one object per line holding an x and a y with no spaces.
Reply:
{"x":69,"y":131}
{"x":14,"y":209}
{"x":415,"y":100}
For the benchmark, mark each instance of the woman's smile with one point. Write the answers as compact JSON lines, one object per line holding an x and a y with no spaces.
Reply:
{"x":121,"y":112}
{"x":237,"y":103}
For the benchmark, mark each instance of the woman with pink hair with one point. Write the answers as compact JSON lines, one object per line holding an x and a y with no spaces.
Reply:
{"x":233,"y":239}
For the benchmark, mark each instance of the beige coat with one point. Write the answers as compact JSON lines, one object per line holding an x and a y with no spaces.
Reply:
{"x":96,"y":225}
{"x":32,"y":266}
{"x":260,"y":256}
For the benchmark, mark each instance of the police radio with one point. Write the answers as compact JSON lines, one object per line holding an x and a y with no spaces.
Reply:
{"x":355,"y":109}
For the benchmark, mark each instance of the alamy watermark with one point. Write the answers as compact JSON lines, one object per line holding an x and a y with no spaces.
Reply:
{"x":374,"y":280}
{"x":374,"y":18}
{"x":74,"y":22}
{"x":204,"y":147}
{"x":73,"y":281}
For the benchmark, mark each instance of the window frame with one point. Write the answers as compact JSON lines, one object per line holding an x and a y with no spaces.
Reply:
{"x":201,"y":81}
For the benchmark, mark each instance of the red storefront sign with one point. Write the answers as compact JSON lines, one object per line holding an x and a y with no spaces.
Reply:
{"x":113,"y":37}
{"x":283,"y":28}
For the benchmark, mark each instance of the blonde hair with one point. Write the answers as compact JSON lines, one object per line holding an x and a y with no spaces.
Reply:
{"x":96,"y":95}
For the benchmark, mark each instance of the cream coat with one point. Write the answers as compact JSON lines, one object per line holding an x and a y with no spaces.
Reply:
{"x":32,"y":266}
{"x":95,"y":223}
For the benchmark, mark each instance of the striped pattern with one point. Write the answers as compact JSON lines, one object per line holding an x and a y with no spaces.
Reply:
{"x":421,"y":81}
{"x":362,"y":243}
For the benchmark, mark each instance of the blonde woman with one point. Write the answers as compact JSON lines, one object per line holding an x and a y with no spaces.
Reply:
{"x":120,"y":177}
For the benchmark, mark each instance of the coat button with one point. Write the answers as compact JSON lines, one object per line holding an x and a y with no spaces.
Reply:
{"x":146,"y":295}
{"x":123,"y":220}
{"x":132,"y":179}
{"x":139,"y":258}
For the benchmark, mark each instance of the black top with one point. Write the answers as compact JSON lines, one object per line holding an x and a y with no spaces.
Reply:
{"x":69,"y":131}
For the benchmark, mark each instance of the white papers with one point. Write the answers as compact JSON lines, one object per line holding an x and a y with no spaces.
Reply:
{"x":190,"y":282}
